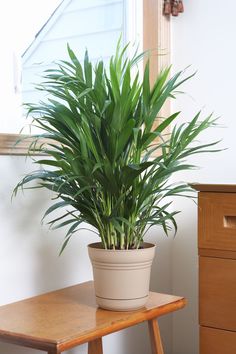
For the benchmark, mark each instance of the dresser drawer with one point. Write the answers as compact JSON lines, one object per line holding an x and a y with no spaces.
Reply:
{"x":217,"y":221}
{"x":216,"y":341}
{"x":217,"y":293}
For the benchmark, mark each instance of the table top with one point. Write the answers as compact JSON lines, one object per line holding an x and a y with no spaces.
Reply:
{"x":68,"y":317}
{"x":217,"y":188}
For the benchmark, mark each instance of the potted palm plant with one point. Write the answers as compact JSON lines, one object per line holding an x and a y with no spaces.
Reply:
{"x":109,"y":167}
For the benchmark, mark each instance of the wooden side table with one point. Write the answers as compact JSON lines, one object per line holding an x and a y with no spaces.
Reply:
{"x":66,"y":318}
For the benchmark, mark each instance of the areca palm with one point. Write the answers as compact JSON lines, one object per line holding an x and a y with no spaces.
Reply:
{"x":105,"y":162}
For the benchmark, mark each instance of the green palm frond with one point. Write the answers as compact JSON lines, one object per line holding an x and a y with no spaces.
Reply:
{"x":105,"y":161}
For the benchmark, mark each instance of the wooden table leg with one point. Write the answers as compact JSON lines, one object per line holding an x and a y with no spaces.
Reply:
{"x":95,"y":346}
{"x":155,"y":337}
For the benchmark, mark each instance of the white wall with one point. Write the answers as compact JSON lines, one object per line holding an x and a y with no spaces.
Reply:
{"x":203,"y":37}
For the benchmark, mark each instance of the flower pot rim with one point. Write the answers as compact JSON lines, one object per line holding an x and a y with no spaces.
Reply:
{"x":97,"y":246}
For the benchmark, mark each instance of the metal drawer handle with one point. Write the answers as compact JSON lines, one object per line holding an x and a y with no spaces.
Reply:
{"x":230,"y":221}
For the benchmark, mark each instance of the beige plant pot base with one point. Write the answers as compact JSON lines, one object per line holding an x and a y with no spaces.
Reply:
{"x":121,"y":277}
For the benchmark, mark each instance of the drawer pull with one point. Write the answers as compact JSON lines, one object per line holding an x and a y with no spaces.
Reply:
{"x":230,"y":221}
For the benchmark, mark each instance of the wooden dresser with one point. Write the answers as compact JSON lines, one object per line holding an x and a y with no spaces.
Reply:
{"x":217,"y":268}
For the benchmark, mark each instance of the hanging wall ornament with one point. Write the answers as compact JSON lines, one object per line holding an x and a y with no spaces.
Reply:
{"x":180,"y":6}
{"x":167,"y":7}
{"x":174,"y":9}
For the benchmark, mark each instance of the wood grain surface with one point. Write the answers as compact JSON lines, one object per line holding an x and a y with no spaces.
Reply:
{"x":95,"y":346}
{"x":68,"y":317}
{"x":217,"y":293}
{"x":216,"y":341}
{"x":217,"y":221}
{"x":217,"y":267}
{"x":219,"y":188}
{"x":155,"y":337}
{"x":217,"y":253}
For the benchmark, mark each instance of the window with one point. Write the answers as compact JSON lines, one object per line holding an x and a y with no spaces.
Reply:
{"x":92,"y":24}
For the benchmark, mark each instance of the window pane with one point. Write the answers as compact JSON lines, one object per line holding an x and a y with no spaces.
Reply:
{"x":40,"y":30}
{"x":19,"y":23}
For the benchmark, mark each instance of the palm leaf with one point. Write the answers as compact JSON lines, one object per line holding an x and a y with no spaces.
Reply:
{"x":99,"y":164}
